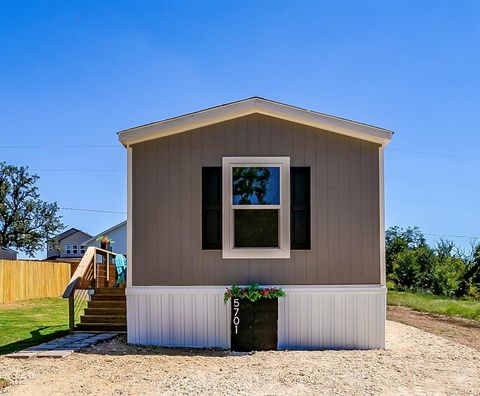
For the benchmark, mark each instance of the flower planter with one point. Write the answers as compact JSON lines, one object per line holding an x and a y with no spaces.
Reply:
{"x":105,"y":246}
{"x":254,"y":325}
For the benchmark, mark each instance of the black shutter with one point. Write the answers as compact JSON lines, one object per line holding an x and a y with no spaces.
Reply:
{"x":212,"y":207}
{"x":300,"y":208}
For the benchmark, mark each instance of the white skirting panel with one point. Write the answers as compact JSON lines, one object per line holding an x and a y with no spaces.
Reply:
{"x":309,"y":317}
{"x":343,"y":317}
{"x":178,"y":316}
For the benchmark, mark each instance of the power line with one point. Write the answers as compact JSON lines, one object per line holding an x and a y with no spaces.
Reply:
{"x":94,"y":210}
{"x":434,"y":154}
{"x":453,"y":236}
{"x":118,"y":146}
{"x":431,"y":181}
{"x":63,"y":147}
{"x":118,"y":212}
{"x":76,"y":170}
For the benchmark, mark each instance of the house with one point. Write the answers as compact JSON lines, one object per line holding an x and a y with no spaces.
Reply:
{"x":311,"y":221}
{"x":67,"y":246}
{"x":8,"y":254}
{"x":118,"y":233}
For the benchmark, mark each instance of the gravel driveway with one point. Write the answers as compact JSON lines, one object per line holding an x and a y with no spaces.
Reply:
{"x":415,"y":362}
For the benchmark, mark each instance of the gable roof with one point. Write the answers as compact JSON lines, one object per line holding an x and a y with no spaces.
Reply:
{"x":107,"y":231}
{"x":69,"y":232}
{"x":228,"y":111}
{"x":7,"y":249}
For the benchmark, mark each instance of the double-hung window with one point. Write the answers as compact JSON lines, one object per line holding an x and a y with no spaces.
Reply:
{"x":256,"y":207}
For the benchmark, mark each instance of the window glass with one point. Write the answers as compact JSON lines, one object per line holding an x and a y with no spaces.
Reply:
{"x":68,"y":249}
{"x":256,"y":185}
{"x":75,"y":249}
{"x":82,"y":249}
{"x":256,"y":228}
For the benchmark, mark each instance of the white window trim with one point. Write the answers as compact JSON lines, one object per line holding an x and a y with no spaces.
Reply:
{"x":68,"y":248}
{"x":229,"y":252}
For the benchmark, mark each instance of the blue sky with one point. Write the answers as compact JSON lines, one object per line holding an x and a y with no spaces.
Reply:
{"x":73,"y":73}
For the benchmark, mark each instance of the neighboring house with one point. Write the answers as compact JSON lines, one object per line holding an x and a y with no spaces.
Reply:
{"x":316,"y":228}
{"x":8,"y":254}
{"x":67,"y":246}
{"x":118,"y":233}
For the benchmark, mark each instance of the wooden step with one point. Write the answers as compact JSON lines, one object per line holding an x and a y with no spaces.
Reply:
{"x":107,"y":304}
{"x":106,"y":311}
{"x":109,"y":297}
{"x":110,"y":290}
{"x":101,"y":327}
{"x":118,"y":319}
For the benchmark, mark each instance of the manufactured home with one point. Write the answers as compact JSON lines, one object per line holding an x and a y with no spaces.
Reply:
{"x":256,"y":192}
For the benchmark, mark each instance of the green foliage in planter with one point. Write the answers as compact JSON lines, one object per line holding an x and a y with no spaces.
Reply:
{"x":253,"y":292}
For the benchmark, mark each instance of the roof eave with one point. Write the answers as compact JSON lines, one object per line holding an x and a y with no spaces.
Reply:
{"x":249,"y":106}
{"x":106,"y":231}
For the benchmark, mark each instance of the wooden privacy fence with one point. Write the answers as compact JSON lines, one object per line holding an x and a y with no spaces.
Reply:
{"x":22,"y":279}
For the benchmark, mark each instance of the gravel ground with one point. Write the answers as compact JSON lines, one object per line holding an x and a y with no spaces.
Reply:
{"x":415,"y":362}
{"x":463,"y":331}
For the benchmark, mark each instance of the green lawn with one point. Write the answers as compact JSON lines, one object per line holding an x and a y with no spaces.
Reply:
{"x":436,"y":304}
{"x":31,"y":322}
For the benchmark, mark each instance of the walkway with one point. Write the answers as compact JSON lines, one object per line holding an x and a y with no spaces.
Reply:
{"x":62,"y":347}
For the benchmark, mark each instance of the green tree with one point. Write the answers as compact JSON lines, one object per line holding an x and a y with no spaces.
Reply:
{"x":406,"y":270}
{"x":471,"y":280}
{"x":447,"y":275}
{"x":399,"y":239}
{"x":425,"y":257}
{"x":26,"y":221}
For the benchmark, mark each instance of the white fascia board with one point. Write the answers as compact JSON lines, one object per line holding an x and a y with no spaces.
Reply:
{"x":325,"y":122}
{"x":184,"y":123}
{"x":251,"y":106}
{"x":364,"y":288}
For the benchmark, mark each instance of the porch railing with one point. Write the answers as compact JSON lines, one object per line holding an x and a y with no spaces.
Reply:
{"x":89,"y":274}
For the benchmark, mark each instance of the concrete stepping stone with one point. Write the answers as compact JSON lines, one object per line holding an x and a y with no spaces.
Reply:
{"x":62,"y":347}
{"x":55,"y":353}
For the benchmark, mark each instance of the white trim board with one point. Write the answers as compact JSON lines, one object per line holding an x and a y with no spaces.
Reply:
{"x":137,"y":290}
{"x":248,"y":106}
{"x":229,"y":251}
{"x":129,"y":216}
{"x":381,"y":199}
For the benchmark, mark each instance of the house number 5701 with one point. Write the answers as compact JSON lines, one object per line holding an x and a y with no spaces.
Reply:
{"x":236,"y":309}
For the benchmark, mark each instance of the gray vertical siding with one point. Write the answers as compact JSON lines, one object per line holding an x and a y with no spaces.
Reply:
{"x":167,"y":206}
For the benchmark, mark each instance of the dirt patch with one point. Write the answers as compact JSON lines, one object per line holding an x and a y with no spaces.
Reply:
{"x":463,"y":331}
{"x":414,"y":362}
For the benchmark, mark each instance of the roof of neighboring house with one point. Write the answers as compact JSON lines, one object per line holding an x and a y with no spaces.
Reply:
{"x":8,"y":249}
{"x":106,"y":231}
{"x":248,"y":106}
{"x":69,"y":232}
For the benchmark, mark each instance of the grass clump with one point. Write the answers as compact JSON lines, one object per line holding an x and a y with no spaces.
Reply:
{"x":27,"y":323}
{"x":431,"y":303}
